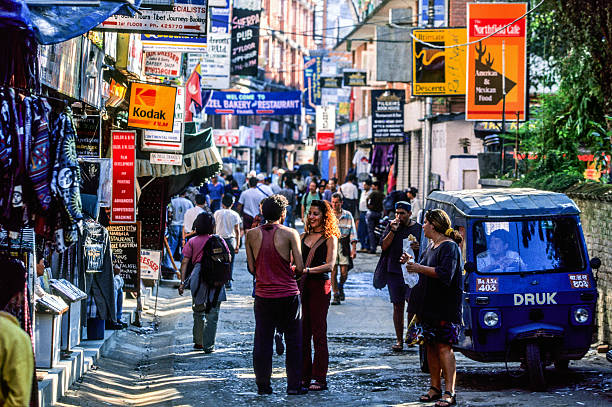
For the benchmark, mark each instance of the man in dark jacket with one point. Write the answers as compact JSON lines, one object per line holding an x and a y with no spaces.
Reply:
{"x":375,"y":209}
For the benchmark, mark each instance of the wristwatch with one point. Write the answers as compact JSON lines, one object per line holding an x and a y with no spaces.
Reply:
{"x":307,"y":270}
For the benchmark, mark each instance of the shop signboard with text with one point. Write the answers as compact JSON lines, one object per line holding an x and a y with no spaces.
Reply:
{"x":150,"y":262}
{"x":255,"y":103}
{"x":173,"y":43}
{"x":496,"y":64}
{"x":354,"y":77}
{"x":226,"y":137}
{"x":154,"y":140}
{"x":123,"y":203}
{"x":152,"y":106}
{"x":325,"y":127}
{"x":163,"y":63}
{"x":312,"y":84}
{"x":438,"y":71}
{"x":215,"y":62}
{"x":186,"y":17}
{"x":388,"y":116}
{"x":245,"y":37}
{"x":125,"y":246}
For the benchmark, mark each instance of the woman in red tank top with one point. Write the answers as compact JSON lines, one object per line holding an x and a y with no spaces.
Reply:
{"x":321,"y":235}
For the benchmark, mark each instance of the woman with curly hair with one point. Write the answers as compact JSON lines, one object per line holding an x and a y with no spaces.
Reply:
{"x":321,"y":237}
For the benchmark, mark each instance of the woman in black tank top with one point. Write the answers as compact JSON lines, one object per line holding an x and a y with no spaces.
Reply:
{"x":321,"y":236}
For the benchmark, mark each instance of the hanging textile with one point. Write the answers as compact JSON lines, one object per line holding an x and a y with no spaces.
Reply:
{"x":97,"y":267}
{"x":382,"y":158}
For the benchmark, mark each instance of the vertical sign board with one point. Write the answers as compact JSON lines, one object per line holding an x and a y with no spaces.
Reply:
{"x":388,"y":116}
{"x":125,"y":245}
{"x":88,"y":141}
{"x":215,"y":62}
{"x":312,"y":84}
{"x":325,"y":126}
{"x":245,"y":37}
{"x":150,"y":262}
{"x":495,"y":61}
{"x":123,"y":204}
{"x":438,"y":71}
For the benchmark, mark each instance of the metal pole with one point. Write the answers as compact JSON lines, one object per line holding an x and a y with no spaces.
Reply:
{"x":503,"y":130}
{"x":516,"y":149}
{"x":428,"y":122}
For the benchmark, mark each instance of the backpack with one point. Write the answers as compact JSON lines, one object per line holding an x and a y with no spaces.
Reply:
{"x":216,"y":260}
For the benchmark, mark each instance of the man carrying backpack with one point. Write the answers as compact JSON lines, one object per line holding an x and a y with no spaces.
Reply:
{"x":205,"y":269}
{"x":269,"y":250}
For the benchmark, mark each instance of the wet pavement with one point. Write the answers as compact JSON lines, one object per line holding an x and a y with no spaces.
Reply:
{"x":157,"y":365}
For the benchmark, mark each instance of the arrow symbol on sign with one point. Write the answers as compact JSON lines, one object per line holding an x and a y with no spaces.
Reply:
{"x":488,"y":85}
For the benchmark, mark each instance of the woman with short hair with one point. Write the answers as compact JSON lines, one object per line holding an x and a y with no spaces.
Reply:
{"x":436,"y":301}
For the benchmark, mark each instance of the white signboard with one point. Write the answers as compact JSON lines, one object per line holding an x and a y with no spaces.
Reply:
{"x":326,"y":119}
{"x":226,"y":137}
{"x":183,"y":19}
{"x":150,"y":261}
{"x":153,"y":140}
{"x":166,"y":64}
{"x":215,"y":62}
{"x":166,"y":159}
{"x":173,"y":43}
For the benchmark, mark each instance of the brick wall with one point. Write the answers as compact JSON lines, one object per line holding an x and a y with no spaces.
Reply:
{"x":596,"y":220}
{"x":458,"y":12}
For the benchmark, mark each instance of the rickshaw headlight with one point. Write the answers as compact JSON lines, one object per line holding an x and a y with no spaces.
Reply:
{"x":581,"y":315}
{"x":490,"y":318}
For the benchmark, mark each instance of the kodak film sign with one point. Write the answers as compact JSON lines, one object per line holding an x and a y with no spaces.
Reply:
{"x":152,"y":107}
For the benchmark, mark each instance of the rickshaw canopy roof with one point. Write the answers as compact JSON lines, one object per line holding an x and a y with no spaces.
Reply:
{"x":503,"y":203}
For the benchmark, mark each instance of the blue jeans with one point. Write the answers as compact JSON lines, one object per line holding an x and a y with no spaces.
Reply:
{"x":204,"y":333}
{"x":215,"y":205}
{"x":289,"y":220}
{"x":174,"y":241}
{"x":362,"y":231}
{"x":372,"y":218}
{"x":119,"y":302}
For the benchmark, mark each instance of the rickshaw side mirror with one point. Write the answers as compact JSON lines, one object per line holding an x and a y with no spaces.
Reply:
{"x":595,"y":263}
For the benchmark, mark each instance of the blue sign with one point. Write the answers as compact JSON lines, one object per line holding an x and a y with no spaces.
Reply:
{"x":312,"y":86}
{"x":439,"y":13}
{"x":255,"y":103}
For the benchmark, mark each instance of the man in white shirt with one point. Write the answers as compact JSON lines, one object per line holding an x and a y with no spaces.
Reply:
{"x":178,"y":207}
{"x":263,"y":187}
{"x":362,"y":226}
{"x":248,"y":203}
{"x":273,"y":186}
{"x":227,"y":225}
{"x":350,"y":193}
{"x":191,"y":215}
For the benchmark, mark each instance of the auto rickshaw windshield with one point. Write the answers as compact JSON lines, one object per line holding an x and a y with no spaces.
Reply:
{"x":528,"y":246}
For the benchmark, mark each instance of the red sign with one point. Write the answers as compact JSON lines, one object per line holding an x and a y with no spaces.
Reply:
{"x":226,"y":138}
{"x":579,"y":281}
{"x":325,"y":141}
{"x":123,"y":205}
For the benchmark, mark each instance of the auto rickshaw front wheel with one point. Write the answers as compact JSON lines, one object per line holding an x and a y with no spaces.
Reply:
{"x":535,"y":367}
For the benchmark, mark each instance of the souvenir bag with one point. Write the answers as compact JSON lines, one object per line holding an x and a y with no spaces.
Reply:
{"x":415,"y":334}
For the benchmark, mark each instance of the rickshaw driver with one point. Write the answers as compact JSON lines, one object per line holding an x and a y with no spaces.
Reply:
{"x":497,"y":256}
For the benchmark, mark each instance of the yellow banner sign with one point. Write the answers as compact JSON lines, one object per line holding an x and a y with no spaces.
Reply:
{"x":152,"y":107}
{"x":438,"y":71}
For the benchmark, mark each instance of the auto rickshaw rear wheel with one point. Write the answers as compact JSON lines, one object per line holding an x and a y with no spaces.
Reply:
{"x":535,"y":367}
{"x":562,"y":365}
{"x":423,"y":358}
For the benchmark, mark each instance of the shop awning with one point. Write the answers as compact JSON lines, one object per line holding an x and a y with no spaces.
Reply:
{"x":52,"y":24}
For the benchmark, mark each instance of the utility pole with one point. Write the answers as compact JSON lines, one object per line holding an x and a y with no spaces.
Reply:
{"x":427,"y":123}
{"x":324,"y":24}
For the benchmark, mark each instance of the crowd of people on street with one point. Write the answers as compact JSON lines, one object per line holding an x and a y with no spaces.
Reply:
{"x":296,"y":277}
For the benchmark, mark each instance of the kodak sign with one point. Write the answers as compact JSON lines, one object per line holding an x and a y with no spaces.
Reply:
{"x":152,"y":107}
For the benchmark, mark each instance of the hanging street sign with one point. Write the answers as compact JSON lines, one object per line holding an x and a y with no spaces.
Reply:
{"x":154,"y":140}
{"x":331,"y":82}
{"x":186,"y":17}
{"x":354,"y":77}
{"x":438,"y":71}
{"x":325,"y":127}
{"x":164,"y":63}
{"x":496,"y":62}
{"x":166,"y":159}
{"x":312,"y":85}
{"x":226,"y":137}
{"x":245,"y":37}
{"x":388,"y":116}
{"x":255,"y":103}
{"x":173,"y":43}
{"x":152,"y":106}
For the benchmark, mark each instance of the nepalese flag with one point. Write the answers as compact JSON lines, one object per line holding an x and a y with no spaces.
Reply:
{"x":194,"y":94}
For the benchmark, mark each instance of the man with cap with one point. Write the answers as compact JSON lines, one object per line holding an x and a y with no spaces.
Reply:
{"x":400,"y":228}
{"x":16,"y":357}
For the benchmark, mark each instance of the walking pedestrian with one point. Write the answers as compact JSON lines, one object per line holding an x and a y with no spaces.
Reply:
{"x":273,"y":186}
{"x":215,"y":192}
{"x":176,"y":211}
{"x":331,"y":189}
{"x":375,"y":209}
{"x":249,"y":203}
{"x":319,"y":252}
{"x":289,"y":193}
{"x":269,"y":250}
{"x":400,"y":229}
{"x":16,"y":356}
{"x":362,"y":227}
{"x":227,"y":225}
{"x":436,"y":301}
{"x":347,"y":248}
{"x":239,"y":176}
{"x":307,"y":199}
{"x":350,"y":194}
{"x":205,"y":300}
{"x":191,"y":215}
{"x":322,"y":186}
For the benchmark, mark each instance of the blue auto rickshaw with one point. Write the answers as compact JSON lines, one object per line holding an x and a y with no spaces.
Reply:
{"x":529,"y":291}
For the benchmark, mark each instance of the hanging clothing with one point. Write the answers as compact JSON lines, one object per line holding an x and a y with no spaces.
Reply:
{"x":382,"y":158}
{"x":98,"y":269}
